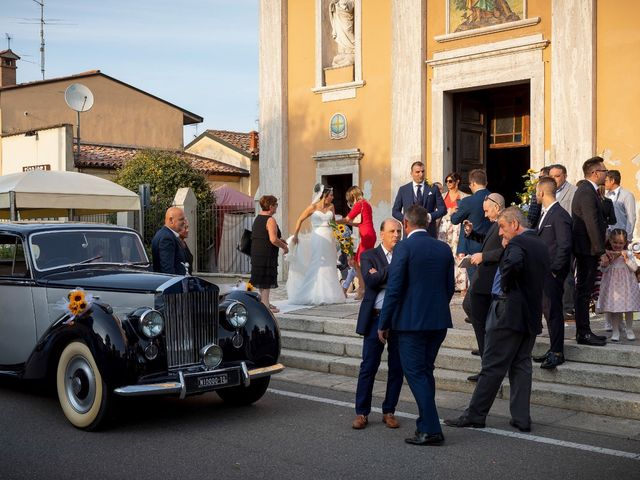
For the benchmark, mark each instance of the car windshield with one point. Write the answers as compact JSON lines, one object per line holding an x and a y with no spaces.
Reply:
{"x":71,"y":247}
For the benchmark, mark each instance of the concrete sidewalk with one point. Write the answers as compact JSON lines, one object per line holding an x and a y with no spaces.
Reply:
{"x":453,"y":400}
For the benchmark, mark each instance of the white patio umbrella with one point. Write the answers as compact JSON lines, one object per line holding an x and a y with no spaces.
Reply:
{"x":45,"y":194}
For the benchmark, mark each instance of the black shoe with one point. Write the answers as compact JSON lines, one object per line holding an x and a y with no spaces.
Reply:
{"x":426,"y":439}
{"x":552,"y":361}
{"x":590,"y":339}
{"x":541,"y":358}
{"x":599,"y":337}
{"x":570,"y":315}
{"x":466,"y":320}
{"x":519,"y":427}
{"x":462,"y":422}
{"x":473,"y":378}
{"x":475,"y":352}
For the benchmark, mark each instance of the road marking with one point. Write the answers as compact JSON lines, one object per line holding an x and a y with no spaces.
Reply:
{"x":495,"y":431}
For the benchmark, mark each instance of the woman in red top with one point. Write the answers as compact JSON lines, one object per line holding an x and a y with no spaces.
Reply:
{"x":360,"y":207}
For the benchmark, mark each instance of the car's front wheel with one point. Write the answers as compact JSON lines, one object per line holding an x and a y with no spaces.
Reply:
{"x":245,"y":395}
{"x":82,"y":392}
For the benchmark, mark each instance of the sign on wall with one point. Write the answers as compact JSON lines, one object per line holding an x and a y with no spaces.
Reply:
{"x":470,"y":14}
{"x":338,"y":126}
{"x":32,"y":168}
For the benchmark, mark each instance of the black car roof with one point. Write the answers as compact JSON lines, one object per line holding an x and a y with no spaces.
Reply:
{"x":26,"y":228}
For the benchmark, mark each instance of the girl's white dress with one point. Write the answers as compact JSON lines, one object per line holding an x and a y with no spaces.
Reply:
{"x":619,"y":290}
{"x":313,"y":273}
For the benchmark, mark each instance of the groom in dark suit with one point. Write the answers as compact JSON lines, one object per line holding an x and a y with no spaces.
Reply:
{"x":419,"y":192}
{"x":167,"y":247}
{"x":375,"y":269}
{"x":416,"y":312}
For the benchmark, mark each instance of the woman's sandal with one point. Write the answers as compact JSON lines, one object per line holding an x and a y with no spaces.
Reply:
{"x":273,"y":308}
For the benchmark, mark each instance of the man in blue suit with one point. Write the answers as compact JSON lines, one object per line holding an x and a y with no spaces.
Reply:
{"x":470,"y":208}
{"x":419,"y":192}
{"x":375,"y":269}
{"x":167,"y":249}
{"x":416,"y":312}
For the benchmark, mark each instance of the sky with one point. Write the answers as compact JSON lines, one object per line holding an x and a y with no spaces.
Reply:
{"x":201,"y":55}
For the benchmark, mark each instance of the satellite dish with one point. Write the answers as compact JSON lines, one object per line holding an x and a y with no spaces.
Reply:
{"x":78,"y":97}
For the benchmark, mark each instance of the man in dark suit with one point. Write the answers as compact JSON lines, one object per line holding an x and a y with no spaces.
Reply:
{"x":514,"y":320}
{"x":419,"y":192}
{"x":589,"y":227}
{"x":416,"y":312}
{"x":470,"y":208}
{"x":554,"y":229}
{"x":487,"y":261}
{"x":375,"y":269}
{"x":167,"y":247}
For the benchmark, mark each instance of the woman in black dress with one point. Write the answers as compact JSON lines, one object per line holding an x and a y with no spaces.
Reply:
{"x":265,"y":242}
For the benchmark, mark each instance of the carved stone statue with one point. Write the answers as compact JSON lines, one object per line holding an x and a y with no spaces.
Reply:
{"x":341,"y":14}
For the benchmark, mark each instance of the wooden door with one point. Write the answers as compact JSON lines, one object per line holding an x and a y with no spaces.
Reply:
{"x":470,"y":119}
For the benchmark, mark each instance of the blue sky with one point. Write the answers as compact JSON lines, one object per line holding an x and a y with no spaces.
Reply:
{"x":201,"y":55}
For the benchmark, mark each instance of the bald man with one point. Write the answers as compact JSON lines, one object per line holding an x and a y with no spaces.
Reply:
{"x":167,"y":248}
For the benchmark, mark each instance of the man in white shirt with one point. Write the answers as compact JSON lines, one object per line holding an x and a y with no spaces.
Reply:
{"x":624,"y":203}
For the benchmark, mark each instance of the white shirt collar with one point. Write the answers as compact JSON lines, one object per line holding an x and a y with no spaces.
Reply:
{"x":174,"y":232}
{"x":415,"y":185}
{"x":593,"y":184}
{"x":386,"y":252}
{"x":545,"y":210}
{"x":615,"y":191}
{"x":416,"y":231}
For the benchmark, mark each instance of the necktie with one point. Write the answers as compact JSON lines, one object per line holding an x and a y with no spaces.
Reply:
{"x":419,"y":196}
{"x":389,"y":257}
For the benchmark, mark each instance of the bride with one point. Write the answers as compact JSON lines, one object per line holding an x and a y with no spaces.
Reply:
{"x":313,"y":277}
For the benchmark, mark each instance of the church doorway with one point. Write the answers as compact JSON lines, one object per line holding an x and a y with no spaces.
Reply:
{"x":491,"y":132}
{"x":340,"y":185}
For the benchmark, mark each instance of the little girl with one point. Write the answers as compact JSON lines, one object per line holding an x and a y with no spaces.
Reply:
{"x":619,"y":292}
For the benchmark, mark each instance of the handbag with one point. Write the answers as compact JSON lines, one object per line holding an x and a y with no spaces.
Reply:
{"x":245,"y":242}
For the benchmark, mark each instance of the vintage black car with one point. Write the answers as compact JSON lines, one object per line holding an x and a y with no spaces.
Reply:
{"x":81,"y":308}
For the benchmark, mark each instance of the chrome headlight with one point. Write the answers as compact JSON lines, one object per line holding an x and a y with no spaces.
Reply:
{"x":151,"y":323}
{"x":237,"y":314}
{"x":211,"y":355}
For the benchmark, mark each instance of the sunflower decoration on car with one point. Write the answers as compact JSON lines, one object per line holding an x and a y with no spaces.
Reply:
{"x":342,"y":234}
{"x":77,"y":303}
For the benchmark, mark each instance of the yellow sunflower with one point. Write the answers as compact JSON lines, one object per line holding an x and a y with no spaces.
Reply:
{"x":342,"y":228}
{"x":76,"y":296}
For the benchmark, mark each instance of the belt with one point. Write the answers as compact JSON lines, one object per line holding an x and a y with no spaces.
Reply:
{"x":376,"y":311}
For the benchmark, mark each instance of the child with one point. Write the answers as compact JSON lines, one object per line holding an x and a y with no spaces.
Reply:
{"x":619,"y":292}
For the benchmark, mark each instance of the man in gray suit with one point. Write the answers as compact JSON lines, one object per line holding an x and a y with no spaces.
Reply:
{"x":624,"y":203}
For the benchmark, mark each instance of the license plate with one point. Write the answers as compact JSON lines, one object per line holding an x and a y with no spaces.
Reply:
{"x":213,"y":380}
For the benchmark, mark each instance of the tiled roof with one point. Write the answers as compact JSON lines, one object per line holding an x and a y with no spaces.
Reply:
{"x":115,"y":156}
{"x":240,"y":140}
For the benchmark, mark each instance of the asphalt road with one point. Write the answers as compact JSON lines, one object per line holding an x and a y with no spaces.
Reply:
{"x":295,"y":431}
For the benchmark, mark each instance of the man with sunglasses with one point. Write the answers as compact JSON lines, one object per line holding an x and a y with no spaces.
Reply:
{"x":588,"y":227}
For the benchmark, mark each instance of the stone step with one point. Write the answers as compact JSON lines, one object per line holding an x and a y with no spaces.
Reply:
{"x":611,"y":354}
{"x":587,"y":399}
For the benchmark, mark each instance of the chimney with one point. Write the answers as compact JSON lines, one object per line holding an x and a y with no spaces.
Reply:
{"x":253,"y":142}
{"x":8,"y":68}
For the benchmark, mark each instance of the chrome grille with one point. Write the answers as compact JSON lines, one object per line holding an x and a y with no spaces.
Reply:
{"x":191,"y":323}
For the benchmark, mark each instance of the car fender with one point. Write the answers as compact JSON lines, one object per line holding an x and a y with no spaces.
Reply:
{"x":100,"y":329}
{"x":260,"y":336}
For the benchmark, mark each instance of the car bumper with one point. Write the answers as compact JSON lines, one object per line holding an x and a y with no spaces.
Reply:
{"x":201,"y":382}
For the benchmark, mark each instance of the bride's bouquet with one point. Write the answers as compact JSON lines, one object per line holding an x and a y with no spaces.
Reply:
{"x":342,"y":233}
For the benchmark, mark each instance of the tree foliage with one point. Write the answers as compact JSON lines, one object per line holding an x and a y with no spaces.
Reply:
{"x":165,"y":172}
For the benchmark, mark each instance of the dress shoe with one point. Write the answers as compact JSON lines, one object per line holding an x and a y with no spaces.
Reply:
{"x":360,"y":422}
{"x":389,"y":419}
{"x":426,"y":439}
{"x":473,"y":378}
{"x":570,"y":315}
{"x":541,"y":358}
{"x":466,"y":320}
{"x":599,"y":337}
{"x":462,"y":422}
{"x":552,"y":361}
{"x":520,"y":427}
{"x":590,"y":339}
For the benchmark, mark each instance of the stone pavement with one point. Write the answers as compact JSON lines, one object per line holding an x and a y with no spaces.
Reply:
{"x":542,"y":415}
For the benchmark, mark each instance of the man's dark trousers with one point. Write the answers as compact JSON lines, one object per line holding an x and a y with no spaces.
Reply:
{"x":480,"y":304}
{"x":505,"y":350}
{"x":372,"y":349}
{"x":586,"y":270}
{"x":553,"y":310}
{"x":418,"y":351}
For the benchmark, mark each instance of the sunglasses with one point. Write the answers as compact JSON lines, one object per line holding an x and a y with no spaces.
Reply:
{"x":448,"y":180}
{"x":491,"y":200}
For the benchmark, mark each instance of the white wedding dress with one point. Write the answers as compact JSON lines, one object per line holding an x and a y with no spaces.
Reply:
{"x":313,"y":276}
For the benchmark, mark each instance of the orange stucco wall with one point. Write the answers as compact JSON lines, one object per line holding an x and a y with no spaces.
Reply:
{"x":120,"y":115}
{"x":368,"y":115}
{"x":618,"y":93}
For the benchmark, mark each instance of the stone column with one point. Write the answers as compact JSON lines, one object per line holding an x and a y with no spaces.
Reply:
{"x":408,"y":97}
{"x":573,"y":84}
{"x":273,"y":106}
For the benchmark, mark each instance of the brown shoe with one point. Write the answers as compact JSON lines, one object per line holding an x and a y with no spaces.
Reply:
{"x":360,"y":422}
{"x":389,"y":419}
